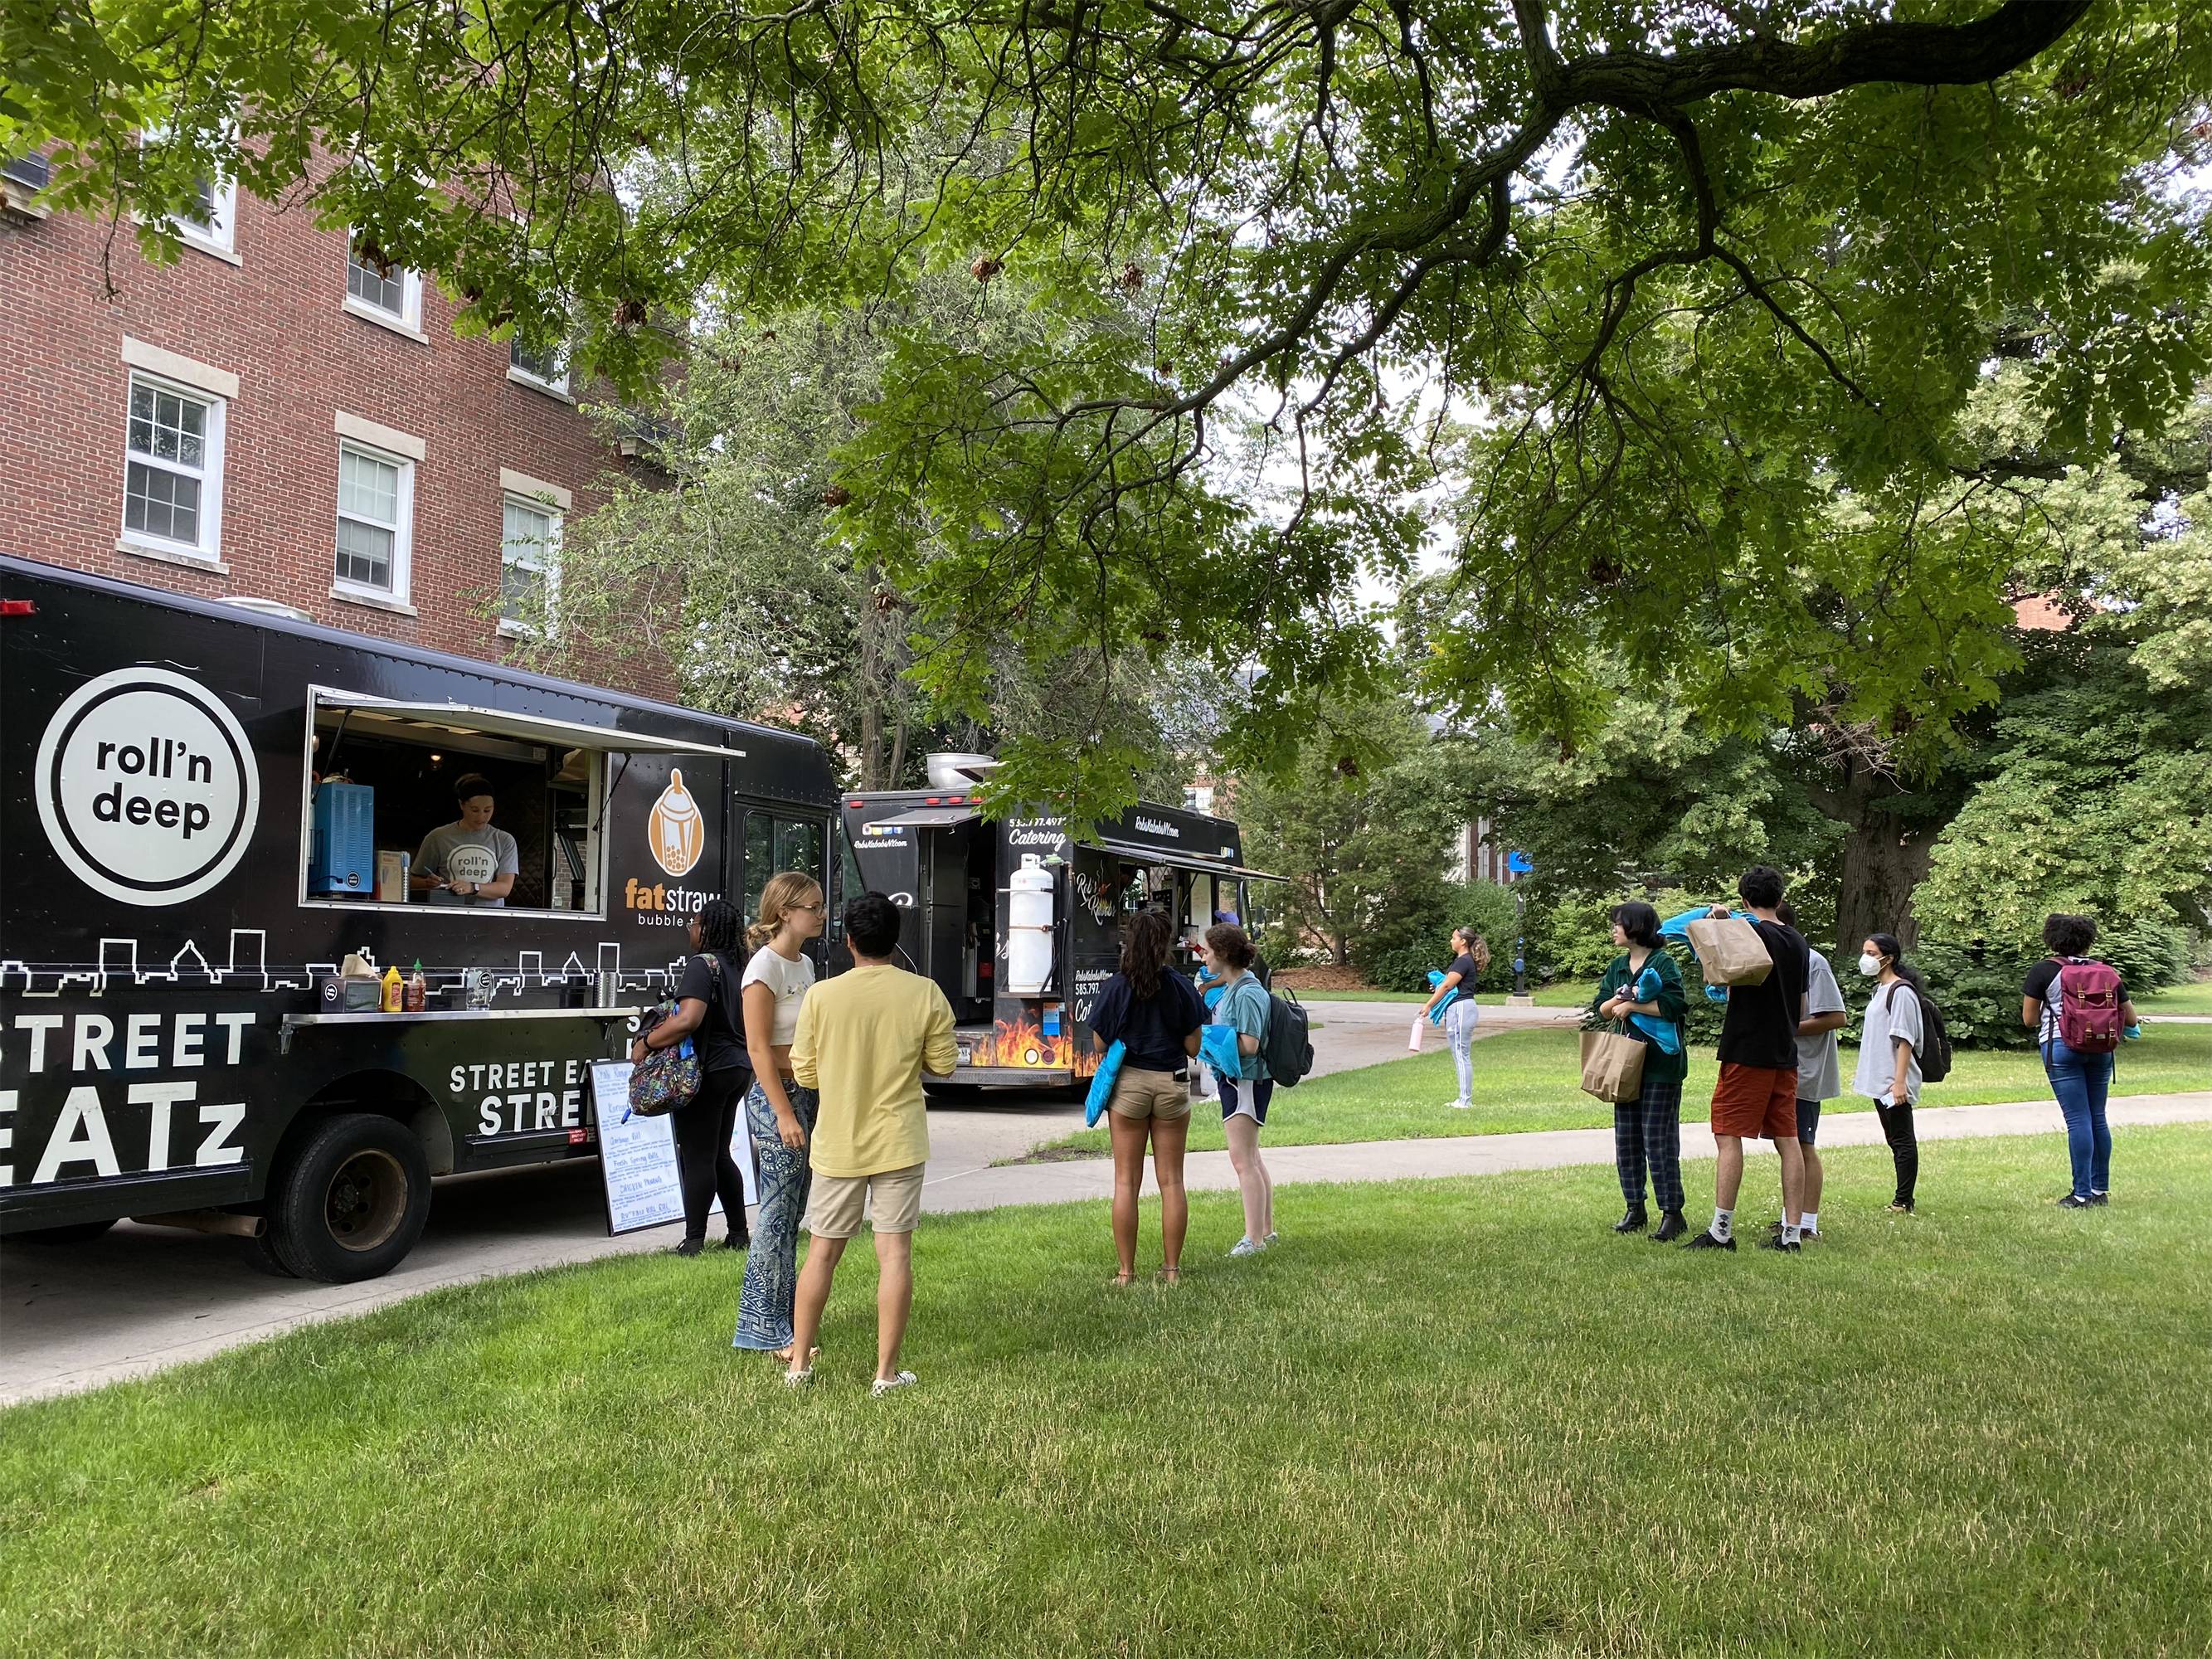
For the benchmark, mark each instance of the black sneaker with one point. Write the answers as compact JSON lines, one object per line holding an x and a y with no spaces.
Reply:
{"x":1778,"y":1243}
{"x":2100,"y":1200}
{"x":1705,"y":1241}
{"x":1671,"y":1227}
{"x":689,"y":1247}
{"x":1633,"y":1222}
{"x":2075,"y":1201}
{"x":737,"y":1241}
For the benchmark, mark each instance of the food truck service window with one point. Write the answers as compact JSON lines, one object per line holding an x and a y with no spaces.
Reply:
{"x":459,"y":807}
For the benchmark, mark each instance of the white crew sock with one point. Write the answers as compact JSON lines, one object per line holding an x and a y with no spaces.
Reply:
{"x":1809,"y":1225}
{"x":1789,"y":1234}
{"x":1723,"y":1222}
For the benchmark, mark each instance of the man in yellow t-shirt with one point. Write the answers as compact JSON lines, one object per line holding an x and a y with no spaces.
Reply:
{"x":864,"y":1040}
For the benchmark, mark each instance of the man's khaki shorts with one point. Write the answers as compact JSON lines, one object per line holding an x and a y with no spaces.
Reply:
{"x":833,"y":1211}
{"x":1140,"y":1095}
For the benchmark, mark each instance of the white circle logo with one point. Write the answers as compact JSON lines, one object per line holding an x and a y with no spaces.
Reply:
{"x":471,"y":862}
{"x":147,"y":787}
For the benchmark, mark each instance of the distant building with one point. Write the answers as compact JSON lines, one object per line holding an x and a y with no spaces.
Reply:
{"x":1474,"y":858}
{"x":283,"y":418}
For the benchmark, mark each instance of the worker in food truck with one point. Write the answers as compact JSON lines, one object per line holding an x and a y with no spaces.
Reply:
{"x":467,"y":862}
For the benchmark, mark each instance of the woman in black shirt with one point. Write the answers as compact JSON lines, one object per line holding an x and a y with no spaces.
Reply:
{"x":1155,"y":1015}
{"x":708,"y":1009}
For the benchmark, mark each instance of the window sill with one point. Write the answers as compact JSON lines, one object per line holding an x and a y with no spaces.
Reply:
{"x":162,"y":554}
{"x":385,"y":320}
{"x":213,"y":249}
{"x":374,"y":602}
{"x":508,"y":628}
{"x":544,"y":389}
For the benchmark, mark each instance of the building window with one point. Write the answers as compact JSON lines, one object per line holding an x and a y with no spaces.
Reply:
{"x":389,"y":292}
{"x":544,"y":368}
{"x":375,"y":503}
{"x":174,"y":470}
{"x":211,"y":221}
{"x":530,"y":535}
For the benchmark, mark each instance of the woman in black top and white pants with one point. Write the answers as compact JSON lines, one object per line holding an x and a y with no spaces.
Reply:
{"x":1474,"y":956}
{"x":703,"y":1126}
{"x":1155,"y":1014}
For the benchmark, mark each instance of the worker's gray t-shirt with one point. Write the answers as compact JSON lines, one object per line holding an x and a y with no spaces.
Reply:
{"x":1818,"y":1078}
{"x":469,"y":855}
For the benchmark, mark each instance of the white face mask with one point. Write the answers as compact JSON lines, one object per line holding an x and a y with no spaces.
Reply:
{"x":1869,"y":966}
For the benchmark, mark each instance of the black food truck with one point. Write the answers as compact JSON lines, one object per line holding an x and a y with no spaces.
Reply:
{"x":214,"y":807}
{"x":1019,"y":924}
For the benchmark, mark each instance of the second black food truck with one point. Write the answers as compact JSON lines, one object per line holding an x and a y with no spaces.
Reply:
{"x":214,"y":811}
{"x":1019,"y":923}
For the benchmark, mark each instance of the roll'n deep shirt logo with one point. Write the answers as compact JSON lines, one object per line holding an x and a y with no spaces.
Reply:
{"x":677,"y":828}
{"x":147,"y":787}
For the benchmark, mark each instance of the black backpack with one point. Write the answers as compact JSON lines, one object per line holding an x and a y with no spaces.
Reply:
{"x":1934,"y":1054}
{"x":1287,"y":1048}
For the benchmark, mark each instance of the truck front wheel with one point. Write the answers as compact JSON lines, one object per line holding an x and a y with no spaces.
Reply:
{"x":351,"y":1203}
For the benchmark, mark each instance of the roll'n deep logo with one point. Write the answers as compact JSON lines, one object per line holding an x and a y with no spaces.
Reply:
{"x":147,"y":787}
{"x":677,"y":828}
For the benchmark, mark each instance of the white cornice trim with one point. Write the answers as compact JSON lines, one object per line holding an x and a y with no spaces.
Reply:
{"x":521,"y":483}
{"x":186,"y":371}
{"x":378,"y":436}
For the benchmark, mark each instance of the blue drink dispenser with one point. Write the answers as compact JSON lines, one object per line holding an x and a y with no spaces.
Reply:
{"x":342,"y":856}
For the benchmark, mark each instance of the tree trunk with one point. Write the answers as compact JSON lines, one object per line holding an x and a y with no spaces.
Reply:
{"x":1884,"y":860}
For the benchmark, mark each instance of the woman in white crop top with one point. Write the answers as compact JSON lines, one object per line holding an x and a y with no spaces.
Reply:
{"x":779,"y":1113}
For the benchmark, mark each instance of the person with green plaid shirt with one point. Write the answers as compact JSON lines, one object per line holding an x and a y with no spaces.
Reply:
{"x":1647,"y":1131}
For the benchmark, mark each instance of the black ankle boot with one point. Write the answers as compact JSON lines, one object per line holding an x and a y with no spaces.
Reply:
{"x":1633,"y":1222}
{"x":1671,"y":1227}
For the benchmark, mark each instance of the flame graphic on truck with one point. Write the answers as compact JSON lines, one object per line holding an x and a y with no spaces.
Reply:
{"x":1022,"y":1042}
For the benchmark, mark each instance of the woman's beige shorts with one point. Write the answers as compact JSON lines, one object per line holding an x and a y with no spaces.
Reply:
{"x":833,"y":1208}
{"x":1140,"y":1095}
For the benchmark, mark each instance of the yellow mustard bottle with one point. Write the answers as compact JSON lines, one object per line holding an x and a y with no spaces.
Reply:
{"x":394,"y":989}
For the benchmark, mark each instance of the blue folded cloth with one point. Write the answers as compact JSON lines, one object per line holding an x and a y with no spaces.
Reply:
{"x":1664,"y":1032}
{"x":1436,"y":1013}
{"x":1102,"y":1085}
{"x":1217,"y":1047}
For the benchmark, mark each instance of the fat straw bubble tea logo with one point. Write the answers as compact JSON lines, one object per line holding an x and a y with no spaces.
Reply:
{"x":678,"y":831}
{"x":147,"y":787}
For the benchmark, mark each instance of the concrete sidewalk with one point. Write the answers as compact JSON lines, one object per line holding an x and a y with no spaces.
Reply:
{"x":1552,"y":1149}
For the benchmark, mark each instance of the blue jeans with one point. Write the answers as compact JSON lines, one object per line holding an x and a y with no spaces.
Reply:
{"x":2081,"y":1082}
{"x":771,"y":1267}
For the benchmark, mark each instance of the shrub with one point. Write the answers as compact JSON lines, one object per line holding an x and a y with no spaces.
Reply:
{"x":1401,"y":959}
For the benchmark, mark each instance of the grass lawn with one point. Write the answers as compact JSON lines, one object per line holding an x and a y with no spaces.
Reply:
{"x":1450,"y":1417}
{"x":1532,"y":1080}
{"x":2194,"y":998}
{"x":1547,"y":996}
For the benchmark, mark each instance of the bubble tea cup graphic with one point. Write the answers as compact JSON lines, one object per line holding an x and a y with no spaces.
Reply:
{"x":679,"y":832}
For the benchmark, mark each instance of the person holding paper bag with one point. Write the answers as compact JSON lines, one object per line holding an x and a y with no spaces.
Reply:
{"x":1757,"y":1094}
{"x":1644,"y":988}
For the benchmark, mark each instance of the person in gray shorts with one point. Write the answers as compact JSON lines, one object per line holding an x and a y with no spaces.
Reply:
{"x":1819,"y":1077}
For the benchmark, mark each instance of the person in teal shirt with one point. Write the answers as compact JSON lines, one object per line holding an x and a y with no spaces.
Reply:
{"x":1642,"y":990}
{"x":1245,"y":1091}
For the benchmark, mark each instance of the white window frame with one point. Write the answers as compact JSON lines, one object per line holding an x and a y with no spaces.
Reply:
{"x":403,"y":539}
{"x":207,"y":551}
{"x":220,"y":235}
{"x":408,"y":320}
{"x":558,"y":386}
{"x":540,"y":498}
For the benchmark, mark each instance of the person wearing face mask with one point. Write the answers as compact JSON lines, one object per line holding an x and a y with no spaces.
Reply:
{"x":1889,"y":1056}
{"x":1643,"y":989}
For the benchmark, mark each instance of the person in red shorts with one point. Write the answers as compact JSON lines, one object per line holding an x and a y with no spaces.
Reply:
{"x":1757,"y":1094}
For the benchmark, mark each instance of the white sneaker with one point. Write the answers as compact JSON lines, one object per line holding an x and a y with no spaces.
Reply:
{"x":1270,"y":1238}
{"x":1462,"y":1105}
{"x":885,"y":1384}
{"x":1246,"y":1247}
{"x":799,"y":1379}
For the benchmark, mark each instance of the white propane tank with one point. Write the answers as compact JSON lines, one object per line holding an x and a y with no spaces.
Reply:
{"x":1029,"y":928}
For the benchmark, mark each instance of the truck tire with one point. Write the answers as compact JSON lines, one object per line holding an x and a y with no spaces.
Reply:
{"x":75,"y":1233}
{"x":351,"y":1202}
{"x":260,"y":1255}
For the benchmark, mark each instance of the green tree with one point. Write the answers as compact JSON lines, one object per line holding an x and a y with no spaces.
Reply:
{"x":1705,"y":272}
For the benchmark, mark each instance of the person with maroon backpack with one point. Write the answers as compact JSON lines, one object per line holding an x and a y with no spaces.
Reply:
{"x":2080,"y":1011}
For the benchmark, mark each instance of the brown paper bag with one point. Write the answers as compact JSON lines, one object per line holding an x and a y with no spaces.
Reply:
{"x":1613,"y":1064}
{"x":1730,"y":951}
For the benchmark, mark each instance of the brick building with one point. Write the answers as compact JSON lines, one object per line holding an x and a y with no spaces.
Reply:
{"x":272,"y":418}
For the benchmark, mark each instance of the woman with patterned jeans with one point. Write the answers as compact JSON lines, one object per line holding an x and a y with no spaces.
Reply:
{"x":779,"y":1113}
{"x":1642,"y":990}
